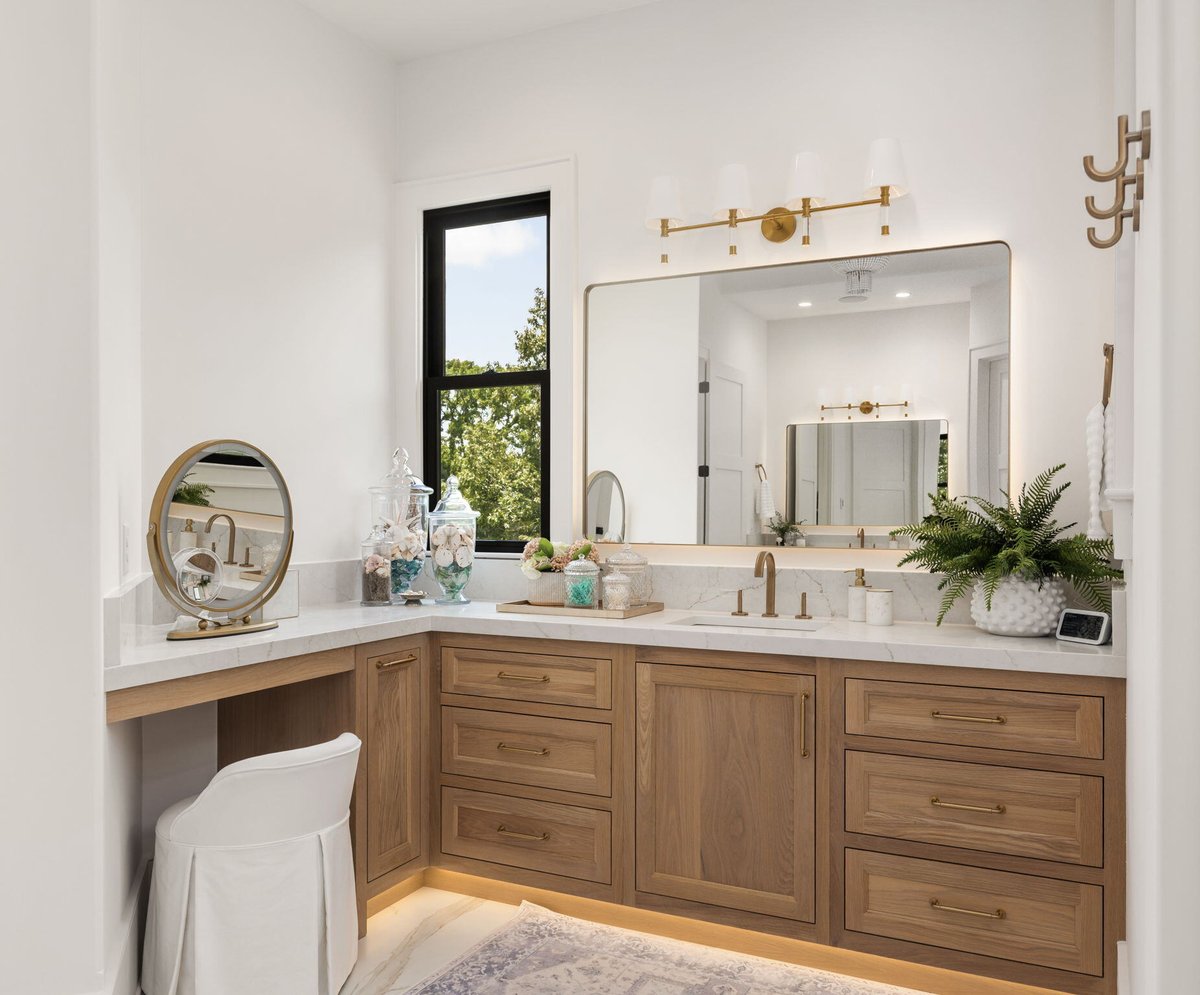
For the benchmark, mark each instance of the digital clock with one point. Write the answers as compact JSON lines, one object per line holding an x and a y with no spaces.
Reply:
{"x":1079,"y":625}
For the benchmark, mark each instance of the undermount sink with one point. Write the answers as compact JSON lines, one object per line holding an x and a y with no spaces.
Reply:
{"x":754,"y":622}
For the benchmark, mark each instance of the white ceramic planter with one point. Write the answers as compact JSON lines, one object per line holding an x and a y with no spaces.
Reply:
{"x":1019,"y":607}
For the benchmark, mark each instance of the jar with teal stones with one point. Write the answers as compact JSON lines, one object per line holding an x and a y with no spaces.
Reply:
{"x":582,"y":587}
{"x":452,"y":544}
{"x":401,"y":503}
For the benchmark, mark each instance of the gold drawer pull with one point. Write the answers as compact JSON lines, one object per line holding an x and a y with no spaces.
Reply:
{"x":399,"y":662}
{"x":994,"y":720}
{"x":989,"y":809}
{"x":532,"y":837}
{"x":938,"y":906}
{"x":544,"y":679}
{"x":543,"y":752}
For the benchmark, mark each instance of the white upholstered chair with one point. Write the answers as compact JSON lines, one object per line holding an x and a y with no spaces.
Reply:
{"x":253,"y":883}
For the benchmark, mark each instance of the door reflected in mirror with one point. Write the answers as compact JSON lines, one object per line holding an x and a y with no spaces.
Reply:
{"x":877,"y":361}
{"x":605,"y":508}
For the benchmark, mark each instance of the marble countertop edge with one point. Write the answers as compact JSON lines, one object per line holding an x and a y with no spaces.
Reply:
{"x":149,"y":658}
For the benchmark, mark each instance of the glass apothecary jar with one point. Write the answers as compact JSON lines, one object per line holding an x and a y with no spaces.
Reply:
{"x":582,"y":584}
{"x":618,"y":589}
{"x":401,"y":504}
{"x":376,"y":568}
{"x":452,"y":544}
{"x":637,"y":568}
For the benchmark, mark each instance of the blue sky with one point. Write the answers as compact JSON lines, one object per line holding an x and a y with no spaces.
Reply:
{"x":491,"y":272}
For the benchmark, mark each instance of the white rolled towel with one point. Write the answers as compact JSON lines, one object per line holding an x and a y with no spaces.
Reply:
{"x":766,"y":503}
{"x":1095,"y":460}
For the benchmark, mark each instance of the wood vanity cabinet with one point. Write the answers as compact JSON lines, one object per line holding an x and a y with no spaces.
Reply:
{"x":726,"y":788}
{"x":396,"y":692}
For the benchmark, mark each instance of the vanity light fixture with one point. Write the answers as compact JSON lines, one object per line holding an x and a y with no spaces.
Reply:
{"x":866,"y":407}
{"x":885,"y":180}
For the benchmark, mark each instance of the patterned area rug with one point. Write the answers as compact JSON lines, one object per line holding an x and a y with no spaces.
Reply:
{"x":543,"y":953}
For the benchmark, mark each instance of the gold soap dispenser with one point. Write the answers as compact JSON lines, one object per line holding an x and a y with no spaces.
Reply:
{"x":856,"y":596}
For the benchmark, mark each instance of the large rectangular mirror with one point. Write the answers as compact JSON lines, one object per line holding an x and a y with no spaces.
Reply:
{"x":837,"y":393}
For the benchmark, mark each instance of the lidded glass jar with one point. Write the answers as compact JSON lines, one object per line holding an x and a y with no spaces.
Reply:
{"x":376,"y":568}
{"x":582,"y":585}
{"x":452,"y":543}
{"x":401,"y":504}
{"x":637,"y":568}
{"x":618,"y":589}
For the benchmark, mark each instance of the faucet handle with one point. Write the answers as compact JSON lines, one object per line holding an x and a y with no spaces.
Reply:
{"x":740,"y":613}
{"x":804,"y":615}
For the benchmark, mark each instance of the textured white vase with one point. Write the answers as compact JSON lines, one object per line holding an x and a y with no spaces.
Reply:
{"x":549,"y":589}
{"x":1019,"y":607}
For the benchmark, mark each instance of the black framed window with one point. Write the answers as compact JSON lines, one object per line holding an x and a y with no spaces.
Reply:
{"x":487,"y":363}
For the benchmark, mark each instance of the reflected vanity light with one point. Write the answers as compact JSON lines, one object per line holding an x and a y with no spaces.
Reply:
{"x":885,"y":179}
{"x":864,"y":408}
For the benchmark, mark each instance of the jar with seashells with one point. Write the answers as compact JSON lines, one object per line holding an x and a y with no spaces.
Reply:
{"x":452,"y":544}
{"x":401,"y":504}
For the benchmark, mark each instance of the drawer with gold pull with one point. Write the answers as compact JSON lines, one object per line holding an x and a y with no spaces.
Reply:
{"x":1028,"y":813}
{"x":1018,"y":917}
{"x":543,"y":836}
{"x":1027,"y":721}
{"x":556,"y":680}
{"x":528,"y":749}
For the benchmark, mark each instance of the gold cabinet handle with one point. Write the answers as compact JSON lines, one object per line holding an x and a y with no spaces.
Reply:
{"x":532,"y":837}
{"x":543,"y":752}
{"x":936,"y":802}
{"x":804,"y":724}
{"x":544,"y":679}
{"x":939,"y":907}
{"x":995,"y":720}
{"x":398,"y":662}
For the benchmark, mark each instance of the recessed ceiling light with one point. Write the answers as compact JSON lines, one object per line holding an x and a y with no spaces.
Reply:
{"x":903,"y":294}
{"x":804,"y":304}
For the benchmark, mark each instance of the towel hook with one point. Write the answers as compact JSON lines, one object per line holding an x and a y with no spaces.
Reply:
{"x":761,"y":471}
{"x":1109,"y":349}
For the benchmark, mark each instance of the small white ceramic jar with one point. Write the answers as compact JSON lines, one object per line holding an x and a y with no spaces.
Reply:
{"x":879,"y":606}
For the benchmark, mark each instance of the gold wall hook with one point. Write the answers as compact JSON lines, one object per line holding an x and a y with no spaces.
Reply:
{"x":1132,"y":213}
{"x":1125,"y":138}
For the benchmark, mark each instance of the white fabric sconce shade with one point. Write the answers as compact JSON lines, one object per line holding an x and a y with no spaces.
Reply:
{"x":665,"y":202}
{"x":885,"y":168}
{"x":807,"y":179}
{"x":733,"y":192}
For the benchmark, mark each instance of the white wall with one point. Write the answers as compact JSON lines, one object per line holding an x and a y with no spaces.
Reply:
{"x":925,"y":347}
{"x":989,"y":314}
{"x":992,"y":153}
{"x":649,"y":440}
{"x":51,"y":713}
{"x":269,"y":150}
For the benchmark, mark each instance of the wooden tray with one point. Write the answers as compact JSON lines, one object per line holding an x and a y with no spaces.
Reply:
{"x":525,"y":608}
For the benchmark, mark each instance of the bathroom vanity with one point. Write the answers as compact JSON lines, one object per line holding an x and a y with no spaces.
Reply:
{"x":942,"y":797}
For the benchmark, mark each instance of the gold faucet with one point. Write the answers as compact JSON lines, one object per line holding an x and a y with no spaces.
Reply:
{"x":862,"y":538}
{"x":230,"y":557}
{"x":767,"y":557}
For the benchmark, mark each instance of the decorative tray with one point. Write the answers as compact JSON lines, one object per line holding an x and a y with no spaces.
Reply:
{"x":525,"y":608}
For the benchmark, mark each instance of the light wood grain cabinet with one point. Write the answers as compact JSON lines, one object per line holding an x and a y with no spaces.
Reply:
{"x":397,"y":683}
{"x":726,"y":805}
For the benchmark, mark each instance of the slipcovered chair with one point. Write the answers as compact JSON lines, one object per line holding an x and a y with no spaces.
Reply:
{"x":253,"y":883}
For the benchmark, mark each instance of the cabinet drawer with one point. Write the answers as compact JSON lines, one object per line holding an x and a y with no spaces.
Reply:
{"x":528,"y":749}
{"x":1029,"y":813}
{"x":542,"y":836}
{"x":1016,"y":917}
{"x":1027,"y":721}
{"x":555,"y":680}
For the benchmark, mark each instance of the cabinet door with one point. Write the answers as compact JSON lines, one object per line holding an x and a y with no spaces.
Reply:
{"x":726,"y":788}
{"x":396,"y":713}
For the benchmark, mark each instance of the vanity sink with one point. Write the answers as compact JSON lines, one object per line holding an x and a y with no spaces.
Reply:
{"x":754,"y":622}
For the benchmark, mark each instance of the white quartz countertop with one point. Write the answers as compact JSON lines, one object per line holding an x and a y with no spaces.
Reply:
{"x":149,"y":658}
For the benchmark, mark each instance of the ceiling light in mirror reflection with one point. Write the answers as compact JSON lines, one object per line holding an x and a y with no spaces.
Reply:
{"x":903,"y":295}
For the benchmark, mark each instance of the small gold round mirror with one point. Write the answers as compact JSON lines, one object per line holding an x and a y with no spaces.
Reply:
{"x":220,"y":537}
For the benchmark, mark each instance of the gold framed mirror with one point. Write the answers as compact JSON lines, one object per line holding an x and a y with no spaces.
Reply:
{"x":220,"y":537}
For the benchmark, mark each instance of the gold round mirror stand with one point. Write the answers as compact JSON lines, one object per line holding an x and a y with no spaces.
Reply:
{"x":234,"y":616}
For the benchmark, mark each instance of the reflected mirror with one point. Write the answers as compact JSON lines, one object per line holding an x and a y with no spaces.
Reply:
{"x":605,"y":508}
{"x":837,"y":393}
{"x":220,"y":536}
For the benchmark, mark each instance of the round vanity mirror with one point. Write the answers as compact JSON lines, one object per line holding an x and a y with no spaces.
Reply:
{"x":605,"y":508}
{"x":220,"y":536}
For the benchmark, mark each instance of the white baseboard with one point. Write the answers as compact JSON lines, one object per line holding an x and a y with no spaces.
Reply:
{"x":122,"y":972}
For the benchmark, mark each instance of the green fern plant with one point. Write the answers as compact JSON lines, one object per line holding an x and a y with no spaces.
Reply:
{"x":1020,"y":539}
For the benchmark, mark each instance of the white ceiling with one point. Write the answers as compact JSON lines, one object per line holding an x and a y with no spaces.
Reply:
{"x":939,"y":276}
{"x":412,"y":29}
